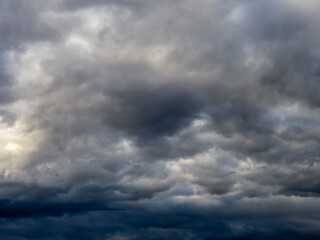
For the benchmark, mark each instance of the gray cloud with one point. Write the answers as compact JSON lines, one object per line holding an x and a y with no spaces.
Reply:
{"x":159,"y":120}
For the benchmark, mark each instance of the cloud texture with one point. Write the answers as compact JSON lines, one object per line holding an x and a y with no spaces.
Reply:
{"x":132,"y":119}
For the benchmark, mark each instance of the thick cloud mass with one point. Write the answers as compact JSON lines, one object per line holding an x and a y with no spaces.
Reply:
{"x":181,"y":119}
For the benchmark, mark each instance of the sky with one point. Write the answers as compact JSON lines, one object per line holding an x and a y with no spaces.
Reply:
{"x":148,"y":119}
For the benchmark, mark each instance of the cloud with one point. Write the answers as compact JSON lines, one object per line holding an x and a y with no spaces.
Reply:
{"x":159,"y":120}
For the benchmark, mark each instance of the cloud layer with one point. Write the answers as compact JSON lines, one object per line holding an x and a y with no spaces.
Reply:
{"x":124,"y":120}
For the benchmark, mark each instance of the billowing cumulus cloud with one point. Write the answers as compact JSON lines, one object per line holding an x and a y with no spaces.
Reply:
{"x":125,"y":120}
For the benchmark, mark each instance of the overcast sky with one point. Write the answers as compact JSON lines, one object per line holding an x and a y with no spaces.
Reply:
{"x":159,"y":119}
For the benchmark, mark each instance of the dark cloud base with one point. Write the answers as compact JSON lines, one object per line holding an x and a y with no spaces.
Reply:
{"x":137,"y":224}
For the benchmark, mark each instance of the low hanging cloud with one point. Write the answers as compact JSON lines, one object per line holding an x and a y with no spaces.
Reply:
{"x":182,"y":119}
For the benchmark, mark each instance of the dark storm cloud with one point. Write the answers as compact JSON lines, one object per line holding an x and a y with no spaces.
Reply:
{"x":238,"y":222}
{"x":152,"y":110}
{"x":25,"y":209}
{"x":159,"y":120}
